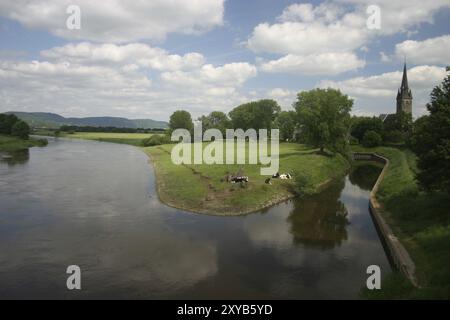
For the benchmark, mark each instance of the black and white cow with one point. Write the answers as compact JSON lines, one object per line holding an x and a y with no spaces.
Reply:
{"x":285,"y":176}
{"x":239,"y":179}
{"x":282,"y":176}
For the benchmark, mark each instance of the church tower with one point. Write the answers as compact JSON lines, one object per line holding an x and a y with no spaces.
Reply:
{"x":404,"y":96}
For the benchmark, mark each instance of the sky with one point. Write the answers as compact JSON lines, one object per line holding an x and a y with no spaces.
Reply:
{"x":146,"y":59}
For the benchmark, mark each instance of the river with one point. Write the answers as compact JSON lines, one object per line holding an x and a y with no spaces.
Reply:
{"x":94,"y":204}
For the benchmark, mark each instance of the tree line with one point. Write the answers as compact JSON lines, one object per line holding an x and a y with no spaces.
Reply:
{"x":71,"y":128}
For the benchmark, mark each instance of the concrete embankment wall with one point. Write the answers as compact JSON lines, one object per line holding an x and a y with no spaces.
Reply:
{"x":396,"y":251}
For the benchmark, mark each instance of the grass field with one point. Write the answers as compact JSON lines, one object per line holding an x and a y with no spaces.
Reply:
{"x":199,"y":187}
{"x":422,"y":222}
{"x":10,"y":144}
{"x":134,"y":139}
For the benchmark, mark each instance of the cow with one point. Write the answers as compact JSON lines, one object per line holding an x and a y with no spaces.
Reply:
{"x":239,"y":179}
{"x":282,"y":176}
{"x":285,"y":176}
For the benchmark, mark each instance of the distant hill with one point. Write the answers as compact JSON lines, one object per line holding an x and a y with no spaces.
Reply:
{"x":53,"y":120}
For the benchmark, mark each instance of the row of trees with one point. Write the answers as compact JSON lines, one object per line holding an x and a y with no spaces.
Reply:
{"x":373,"y":131}
{"x":322,"y":116}
{"x":71,"y":128}
{"x":11,"y":125}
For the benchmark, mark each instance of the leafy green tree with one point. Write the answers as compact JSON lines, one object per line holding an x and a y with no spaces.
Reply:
{"x":371,"y":139}
{"x":181,"y":119}
{"x":215,"y":120}
{"x":324,"y":118}
{"x":285,"y":122}
{"x":20,"y":129}
{"x":431,"y":140}
{"x":397,"y":127}
{"x":7,"y":122}
{"x":255,"y":115}
{"x":360,"y":125}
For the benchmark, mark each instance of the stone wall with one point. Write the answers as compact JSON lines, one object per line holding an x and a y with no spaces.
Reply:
{"x":400,"y":258}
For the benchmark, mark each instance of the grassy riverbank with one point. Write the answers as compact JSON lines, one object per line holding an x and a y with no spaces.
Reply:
{"x":422,"y":223}
{"x":199,"y":188}
{"x":135,"y":139}
{"x":11,"y":144}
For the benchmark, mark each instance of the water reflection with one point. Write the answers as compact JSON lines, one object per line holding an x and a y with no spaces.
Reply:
{"x":364,"y":175}
{"x":13,"y":158}
{"x":320,"y":221}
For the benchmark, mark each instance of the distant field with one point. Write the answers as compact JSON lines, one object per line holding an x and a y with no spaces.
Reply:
{"x":199,"y":187}
{"x":135,"y":139}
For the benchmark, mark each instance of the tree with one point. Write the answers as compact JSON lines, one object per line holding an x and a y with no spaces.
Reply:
{"x":360,"y":125}
{"x":285,"y":122}
{"x":324,"y":117}
{"x":215,"y":120}
{"x":181,"y":119}
{"x":397,"y":127}
{"x":255,"y":115}
{"x":431,"y":140}
{"x":7,"y":122}
{"x":20,"y":129}
{"x":371,"y":139}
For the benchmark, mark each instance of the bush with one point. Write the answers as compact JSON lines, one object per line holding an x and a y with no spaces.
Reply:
{"x":371,"y":139}
{"x":156,"y":140}
{"x":303,"y":184}
{"x":353,"y":141}
{"x":20,"y":129}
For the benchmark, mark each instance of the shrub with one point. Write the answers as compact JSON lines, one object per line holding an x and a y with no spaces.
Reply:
{"x":303,"y":184}
{"x":371,"y":139}
{"x":156,"y":140}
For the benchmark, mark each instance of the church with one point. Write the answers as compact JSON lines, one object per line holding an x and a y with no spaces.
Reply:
{"x":404,"y":98}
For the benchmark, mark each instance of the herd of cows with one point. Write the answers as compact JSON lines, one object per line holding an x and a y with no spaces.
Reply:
{"x":244,"y":179}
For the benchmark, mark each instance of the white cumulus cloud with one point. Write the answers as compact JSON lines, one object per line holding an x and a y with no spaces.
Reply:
{"x":118,"y":20}
{"x":431,"y":51}
{"x":422,"y":79}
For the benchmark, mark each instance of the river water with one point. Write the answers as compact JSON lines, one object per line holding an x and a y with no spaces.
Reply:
{"x":94,"y":205}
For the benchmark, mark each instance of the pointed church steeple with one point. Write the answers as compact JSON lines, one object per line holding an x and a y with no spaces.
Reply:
{"x":404,"y":95}
{"x":404,"y":85}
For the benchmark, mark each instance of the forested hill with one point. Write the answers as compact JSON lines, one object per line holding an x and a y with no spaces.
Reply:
{"x":53,"y":120}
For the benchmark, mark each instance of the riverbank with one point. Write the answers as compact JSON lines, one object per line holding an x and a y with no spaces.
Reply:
{"x":202,"y":189}
{"x":422,"y":223}
{"x":12,"y":144}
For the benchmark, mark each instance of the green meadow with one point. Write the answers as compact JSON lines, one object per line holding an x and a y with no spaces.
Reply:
{"x":203,"y":188}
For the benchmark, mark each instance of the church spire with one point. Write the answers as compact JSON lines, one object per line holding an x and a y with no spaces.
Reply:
{"x":404,"y":86}
{"x":404,"y":96}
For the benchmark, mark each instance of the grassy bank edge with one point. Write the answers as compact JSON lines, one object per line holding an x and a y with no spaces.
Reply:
{"x":13,"y":144}
{"x":421,"y":223}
